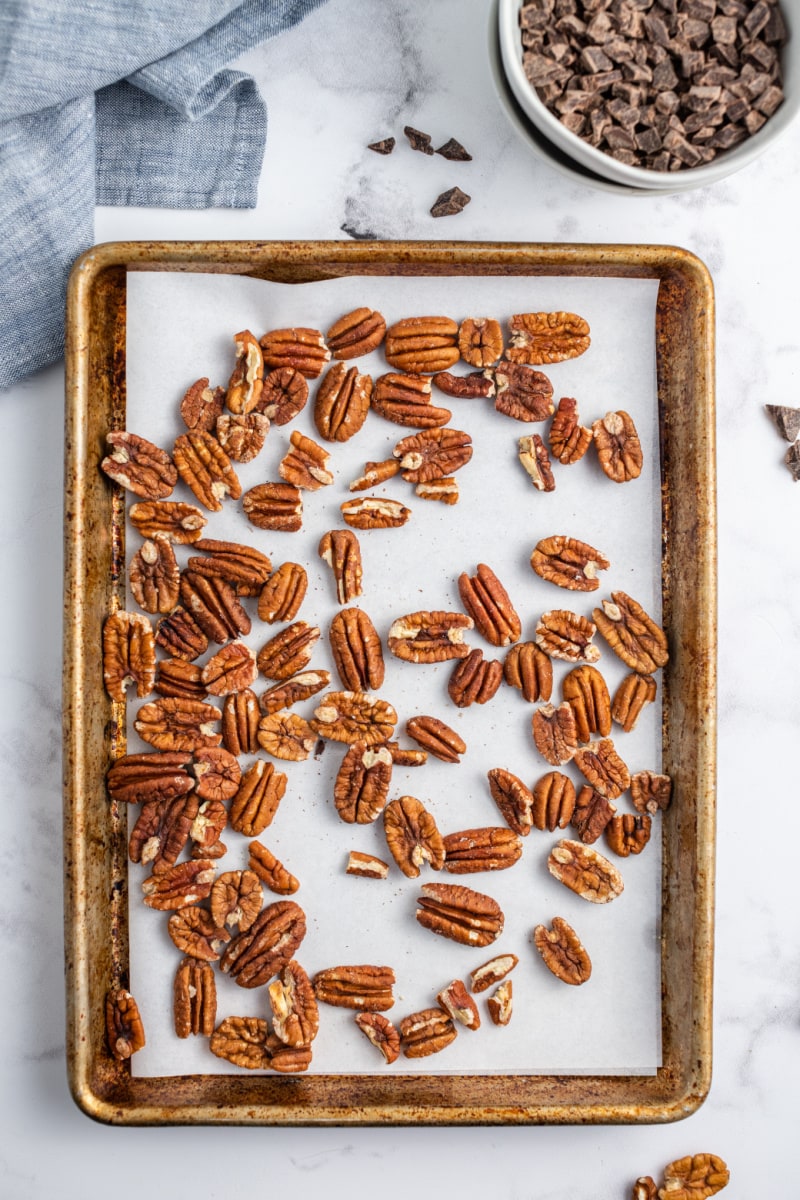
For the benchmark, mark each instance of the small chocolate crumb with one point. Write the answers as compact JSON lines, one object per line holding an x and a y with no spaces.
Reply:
{"x":319,"y":749}
{"x":450,"y":203}
{"x":384,"y":147}
{"x":454,"y":151}
{"x":419,"y":141}
{"x":792,"y":460}
{"x":787,"y":420}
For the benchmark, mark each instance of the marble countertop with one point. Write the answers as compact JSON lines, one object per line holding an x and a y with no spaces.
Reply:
{"x":352,"y":73}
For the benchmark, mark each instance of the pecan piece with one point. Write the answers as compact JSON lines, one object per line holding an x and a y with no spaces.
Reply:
{"x":139,"y":466}
{"x":206,"y":469}
{"x":562,"y":952}
{"x":381,"y":1032}
{"x":124,"y":1029}
{"x":286,"y":736}
{"x":375,"y":473}
{"x":180,"y":885}
{"x":474,"y":680}
{"x":300,"y":687}
{"x":364,"y":987}
{"x":584,"y":871}
{"x":553,"y":801}
{"x":489,"y":605}
{"x":193,"y":931}
{"x":231,"y":669}
{"x":422,"y":345}
{"x":247,"y":380}
{"x":501,"y":1003}
{"x":492,"y":972}
{"x":569,"y":440}
{"x":240,"y":717}
{"x":412,"y":836}
{"x":202,"y":405}
{"x":695,"y":1177}
{"x":618,"y":447}
{"x":375,"y":512}
{"x":173,"y":724}
{"x":154,"y":576}
{"x":632,"y":634}
{"x":480,"y":341}
{"x":354,"y":716}
{"x":529,"y":669}
{"x":162,"y":830}
{"x":426,"y":1032}
{"x":650,"y":792}
{"x":491,"y":848}
{"x":243,"y":1042}
{"x":535,"y":459}
{"x":242,"y":438}
{"x":257,"y":799}
{"x":194,"y":998}
{"x":258,"y":953}
{"x":566,"y":635}
{"x":367,"y":866}
{"x":569,"y":563}
{"x":243,"y":567}
{"x":429,"y":637}
{"x":406,"y":757}
{"x":174,"y":677}
{"x":214,"y":605}
{"x":356,"y":650}
{"x":437,"y":738}
{"x":271,"y":871}
{"x":358,"y":332}
{"x":444,"y":490}
{"x":433,"y":453}
{"x":585,"y":690}
{"x":362,"y":783}
{"x":129,"y":654}
{"x":521,"y":393}
{"x":302,"y":349}
{"x":514,"y":800}
{"x":180,"y":635}
{"x":465,"y":387}
{"x":288,"y":651}
{"x":459,"y":1005}
{"x":339,"y":548}
{"x":295,"y":1015}
{"x":555,"y":733}
{"x":342,"y":403}
{"x":306,"y":464}
{"x":406,"y":400}
{"x":287,"y":1059}
{"x":628,"y":833}
{"x":645,"y":1188}
{"x":603,"y":767}
{"x":276,"y":506}
{"x":137,"y":778}
{"x":283,"y":593}
{"x":177,"y":522}
{"x":236,"y":899}
{"x":284,"y":395}
{"x":547,"y":337}
{"x":591,"y":814}
{"x":459,"y":913}
{"x":633,"y":693}
{"x":218,"y":774}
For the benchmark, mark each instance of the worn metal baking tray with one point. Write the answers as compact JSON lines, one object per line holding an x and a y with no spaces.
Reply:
{"x":95,"y":839}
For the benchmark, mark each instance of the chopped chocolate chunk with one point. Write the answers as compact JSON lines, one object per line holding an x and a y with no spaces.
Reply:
{"x":787,"y":420}
{"x":792,"y":460}
{"x":384,"y":147}
{"x":419,"y":141}
{"x":454,"y":151}
{"x":450,"y":203}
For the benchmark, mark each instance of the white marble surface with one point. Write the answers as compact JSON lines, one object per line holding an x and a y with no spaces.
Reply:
{"x":354,"y":72}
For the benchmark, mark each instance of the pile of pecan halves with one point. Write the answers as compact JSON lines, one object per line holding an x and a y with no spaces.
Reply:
{"x":191,"y":788}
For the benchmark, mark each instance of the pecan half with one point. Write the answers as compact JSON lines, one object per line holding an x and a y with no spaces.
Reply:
{"x":489,"y":605}
{"x":193,"y":931}
{"x":591,"y":814}
{"x":426,"y":1032}
{"x":562,"y":952}
{"x":406,"y":400}
{"x":236,"y":899}
{"x":180,"y":635}
{"x":306,"y":464}
{"x":258,"y":953}
{"x":154,"y":576}
{"x":293,"y":691}
{"x":569,"y":563}
{"x":603,"y":768}
{"x":240,"y":717}
{"x":242,"y":438}
{"x":628,"y":833}
{"x":295,"y":1015}
{"x":566,"y":635}
{"x":514,"y":800}
{"x":459,"y":913}
{"x":585,"y":690}
{"x":243,"y":567}
{"x":433,"y":453}
{"x":535,"y":459}
{"x":194,"y":999}
{"x":247,"y":380}
{"x":412,"y":836}
{"x":129,"y":654}
{"x":276,"y":506}
{"x":358,"y":332}
{"x":342,"y":403}
{"x":271,"y":871}
{"x":214,"y":605}
{"x":650,"y":792}
{"x":529,"y":669}
{"x":632,"y":634}
{"x":501,"y":1003}
{"x":180,"y":885}
{"x":362,"y":783}
{"x":139,"y":466}
{"x":375,"y":512}
{"x":302,"y":349}
{"x":287,"y":1059}
{"x":283,"y":593}
{"x":491,"y":848}
{"x":695,"y":1177}
{"x":256,"y":802}
{"x":459,"y":1005}
{"x":124,"y":1029}
{"x":491,"y":972}
{"x":547,"y":337}
{"x":356,"y":650}
{"x":364,"y":987}
{"x":212,"y":816}
{"x":354,"y":716}
{"x":201,"y":405}
{"x":633,"y":693}
{"x":339,"y":548}
{"x":437,"y":738}
{"x":175,"y":677}
{"x":584,"y":871}
{"x":178,"y":522}
{"x":137,"y":778}
{"x":429,"y":637}
{"x":555,"y":733}
{"x":286,"y":736}
{"x":444,"y":490}
{"x":521,"y":393}
{"x":465,"y":387}
{"x":243,"y":1042}
{"x":217,"y":772}
{"x":381,"y":1032}
{"x":288,"y":651}
{"x":375,"y":473}
{"x":569,"y":440}
{"x":231,"y":669}
{"x":422,"y":345}
{"x":367,"y":866}
{"x":206,"y":469}
{"x":284,"y":395}
{"x":475,"y":680}
{"x":162,"y":830}
{"x":480,"y":341}
{"x":173,"y":724}
{"x":553,"y":801}
{"x":618,"y":447}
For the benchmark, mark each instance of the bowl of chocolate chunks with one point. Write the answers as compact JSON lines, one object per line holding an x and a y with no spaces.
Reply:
{"x":660,"y":94}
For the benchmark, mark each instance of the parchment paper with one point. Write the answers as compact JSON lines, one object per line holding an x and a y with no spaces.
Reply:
{"x":180,"y":327}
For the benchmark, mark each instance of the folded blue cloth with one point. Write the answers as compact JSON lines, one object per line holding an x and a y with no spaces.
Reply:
{"x":124,"y":103}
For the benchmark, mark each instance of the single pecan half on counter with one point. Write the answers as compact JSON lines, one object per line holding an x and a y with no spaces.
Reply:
{"x":363,"y":987}
{"x":501,"y":1003}
{"x":139,"y":778}
{"x":459,"y":913}
{"x":138,"y":465}
{"x":353,"y":717}
{"x":231,"y":669}
{"x":480,"y":341}
{"x":555,"y":733}
{"x":271,"y":871}
{"x":567,"y":635}
{"x":288,"y":651}
{"x":412,"y":836}
{"x":247,"y":380}
{"x":591,"y":814}
{"x":294,"y":690}
{"x":342,"y":403}
{"x":474,"y":680}
{"x":422,"y":345}
{"x":374,"y":512}
{"x":650,"y":792}
{"x":585,"y":871}
{"x":362,"y":783}
{"x":534,"y":458}
{"x":256,"y":802}
{"x":433,"y":453}
{"x":340,"y":549}
{"x":406,"y":400}
{"x":514,"y":800}
{"x":490,"y":848}
{"x":457,"y":1002}
{"x":242,"y":437}
{"x":258,"y":953}
{"x":569,"y":440}
{"x":177,"y":522}
{"x":295,"y":1015}
{"x":240,"y":717}
{"x":381,"y":1032}
{"x":236,"y":899}
{"x":426,"y":1032}
{"x":275,"y":506}
{"x":586,"y":692}
{"x":180,"y":885}
{"x":214,"y":605}
{"x":628,"y":833}
{"x":489,"y":605}
{"x":603,"y":768}
{"x":202,"y":405}
{"x":356,"y":650}
{"x":632,"y":634}
{"x":563,"y":952}
{"x":283,"y":593}
{"x":618,"y":447}
{"x":154,"y":576}
{"x":194,"y":999}
{"x":124,"y":1029}
{"x":129,"y":654}
{"x":286,"y":736}
{"x":358,"y":332}
{"x":520,"y":392}
{"x":553,"y":801}
{"x":194,"y":931}
{"x":491,"y":972}
{"x":695,"y":1177}
{"x":284,"y":395}
{"x":527,"y":668}
{"x":568,"y":563}
{"x":243,"y":567}
{"x":437,"y":738}
{"x":306,"y":464}
{"x":206,"y":469}
{"x":243,"y":1042}
{"x":429,"y":637}
{"x":302,"y":349}
{"x":634,"y":692}
{"x":547,"y":337}
{"x":176,"y":677}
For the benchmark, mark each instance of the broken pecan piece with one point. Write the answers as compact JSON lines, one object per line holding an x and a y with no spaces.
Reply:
{"x":534,"y":458}
{"x":650,"y":792}
{"x":193,"y":931}
{"x":138,"y":465}
{"x":231,"y":669}
{"x":618,"y":447}
{"x":247,"y":380}
{"x":364,"y":987}
{"x":243,"y":567}
{"x":566,"y":635}
{"x":358,"y":332}
{"x":173,"y":724}
{"x":138,"y":778}
{"x":276,"y":506}
{"x":236,"y":899}
{"x":529,"y":669}
{"x":288,"y":651}
{"x":632,"y":634}
{"x":426,"y":1032}
{"x":302,"y":349}
{"x":585,"y":690}
{"x":194,"y":999}
{"x":520,"y":392}
{"x":569,"y":440}
{"x":271,"y":871}
{"x":354,"y":716}
{"x":367,"y":866}
{"x":555,"y":733}
{"x":362,"y":783}
{"x":422,"y":345}
{"x":465,"y":387}
{"x":242,"y":438}
{"x":162,"y":830}
{"x":489,"y":605}
{"x":381,"y":1032}
{"x":180,"y":885}
{"x":177,"y":522}
{"x":243,"y":1042}
{"x":257,"y":799}
{"x":569,"y":563}
{"x":180,"y":635}
{"x":207,"y":827}
{"x":356,"y":650}
{"x":284,"y":395}
{"x":553,"y":801}
{"x":124,"y":1029}
{"x":514,"y":800}
{"x":501,"y":1003}
{"x":406,"y":400}
{"x":286,"y":736}
{"x":206,"y":469}
{"x":287,"y":1059}
{"x":154,"y":576}
{"x":457,"y":1002}
{"x":429,"y":637}
{"x":633,"y":693}
{"x":603,"y":768}
{"x":584,"y":871}
{"x":459,"y":913}
{"x":475,"y":680}
{"x":375,"y":512}
{"x":547,"y":337}
{"x":306,"y":464}
{"x":214,"y":606}
{"x":444,"y":490}
{"x":562,"y":952}
{"x":375,"y":473}
{"x":437,"y":738}
{"x":433,"y":453}
{"x":202,"y":405}
{"x":695,"y":1177}
{"x":628,"y":833}
{"x":342,"y":403}
{"x":591,"y":814}
{"x":480,"y":341}
{"x":412,"y":836}
{"x":240,"y":717}
{"x":258,"y":953}
{"x":491,"y":848}
{"x":129,"y":654}
{"x":294,"y":690}
{"x":295,"y":1015}
{"x":339,"y":548}
{"x":492,"y":972}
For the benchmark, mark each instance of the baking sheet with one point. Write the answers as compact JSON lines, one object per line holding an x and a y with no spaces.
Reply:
{"x":179,"y":328}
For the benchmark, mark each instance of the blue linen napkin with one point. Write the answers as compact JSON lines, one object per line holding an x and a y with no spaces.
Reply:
{"x":117,"y":103}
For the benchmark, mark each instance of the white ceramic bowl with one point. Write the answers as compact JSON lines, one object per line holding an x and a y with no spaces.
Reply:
{"x":599,"y":163}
